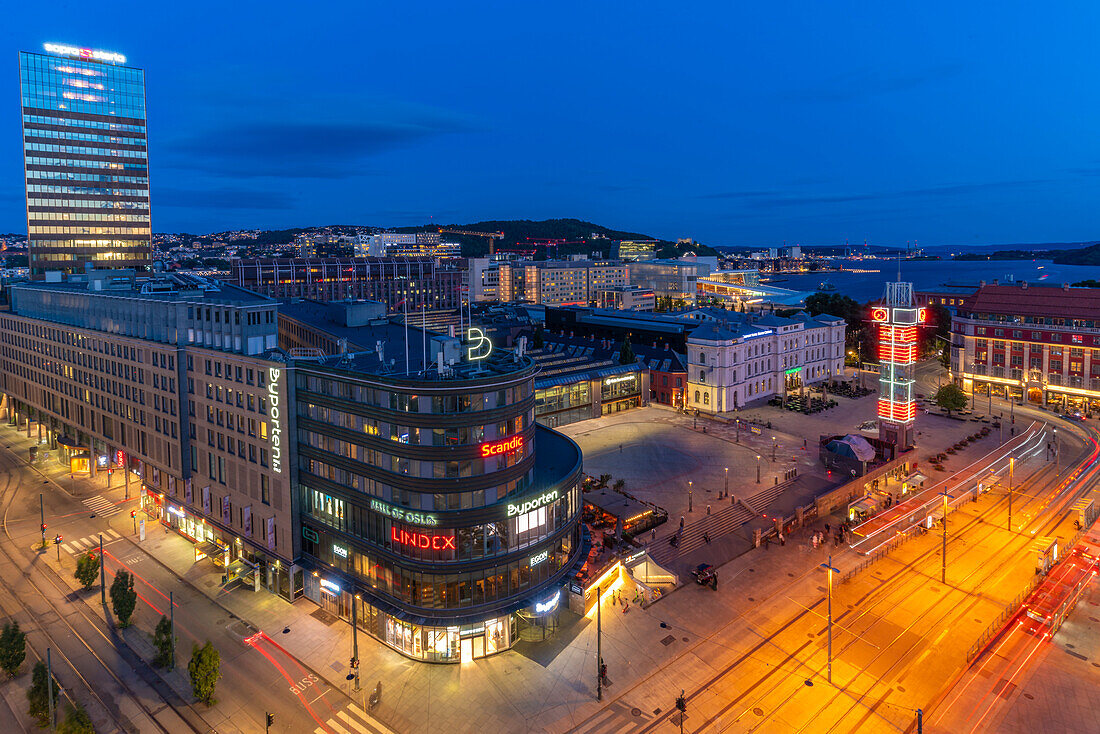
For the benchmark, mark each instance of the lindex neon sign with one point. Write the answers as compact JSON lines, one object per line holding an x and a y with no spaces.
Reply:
{"x":423,"y":540}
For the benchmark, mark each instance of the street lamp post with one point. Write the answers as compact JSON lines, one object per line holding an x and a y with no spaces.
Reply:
{"x":1011,"y":466}
{"x":689,"y":495}
{"x":943,"y":560}
{"x":773,"y":449}
{"x":727,"y":492}
{"x":758,"y":468}
{"x":599,"y":643}
{"x":829,"y":568}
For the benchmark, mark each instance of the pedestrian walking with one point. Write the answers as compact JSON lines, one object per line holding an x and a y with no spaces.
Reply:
{"x":681,"y":522}
{"x":708,"y":509}
{"x":654,"y":533}
{"x":814,"y":540}
{"x":706,"y":538}
{"x":826,"y":528}
{"x":782,"y":539}
{"x":620,"y":448}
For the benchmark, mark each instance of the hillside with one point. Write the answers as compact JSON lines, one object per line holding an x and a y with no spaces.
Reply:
{"x":578,"y":236}
{"x":1089,"y":254}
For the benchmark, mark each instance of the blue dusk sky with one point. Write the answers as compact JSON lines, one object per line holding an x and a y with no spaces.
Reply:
{"x":734,"y":123}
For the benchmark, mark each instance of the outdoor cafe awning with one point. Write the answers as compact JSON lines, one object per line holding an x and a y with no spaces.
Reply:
{"x":916,"y":478}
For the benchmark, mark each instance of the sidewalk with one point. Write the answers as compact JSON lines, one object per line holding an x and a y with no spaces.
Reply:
{"x":510,"y":691}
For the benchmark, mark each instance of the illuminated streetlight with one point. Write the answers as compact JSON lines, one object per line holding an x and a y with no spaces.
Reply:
{"x":829,"y":567}
{"x":758,"y":468}
{"x":689,"y":495}
{"x":1011,"y":466}
{"x":727,"y":494}
{"x":773,"y":449}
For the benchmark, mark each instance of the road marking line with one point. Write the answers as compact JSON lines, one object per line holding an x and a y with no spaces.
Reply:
{"x":113,"y":534}
{"x":378,"y":726}
{"x":65,"y":547}
{"x":352,"y":722}
{"x":76,"y":544}
{"x":336,"y":727}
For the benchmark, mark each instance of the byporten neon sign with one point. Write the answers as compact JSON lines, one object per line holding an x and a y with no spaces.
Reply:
{"x":423,"y":540}
{"x":274,"y":410}
{"x":501,"y":447}
{"x":479,"y":345}
{"x":87,"y":54}
{"x":532,"y":504}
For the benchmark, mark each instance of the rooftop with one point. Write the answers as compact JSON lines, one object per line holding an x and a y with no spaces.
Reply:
{"x":164,"y":287}
{"x":1027,"y":300}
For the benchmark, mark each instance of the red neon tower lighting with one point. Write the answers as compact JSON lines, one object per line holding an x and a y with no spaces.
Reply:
{"x":897,"y":319}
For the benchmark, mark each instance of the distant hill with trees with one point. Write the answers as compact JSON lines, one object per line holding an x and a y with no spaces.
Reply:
{"x":1088,"y":254}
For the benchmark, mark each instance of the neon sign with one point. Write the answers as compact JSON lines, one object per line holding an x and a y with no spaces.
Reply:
{"x":538,"y":558}
{"x":614,"y":380}
{"x":326,"y":584}
{"x":897,"y":353}
{"x":548,"y":606}
{"x":276,"y":427}
{"x":501,"y":447}
{"x":423,"y":540}
{"x":86,"y":54}
{"x":532,"y":504}
{"x":480,"y":347}
{"x":417,"y":518}
{"x":340,"y":551}
{"x":879,"y":314}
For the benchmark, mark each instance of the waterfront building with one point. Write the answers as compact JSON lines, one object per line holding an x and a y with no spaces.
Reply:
{"x":1037,"y":343}
{"x":86,"y":166}
{"x":173,"y":382}
{"x":626,"y":298}
{"x":402,"y":284}
{"x":675,"y":279}
{"x":742,"y":288}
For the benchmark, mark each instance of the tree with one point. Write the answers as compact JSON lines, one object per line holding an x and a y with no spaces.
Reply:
{"x":164,"y":643}
{"x":205,"y":670}
{"x":626,"y":352}
{"x":13,"y":648}
{"x":619,"y":484}
{"x":123,"y":597}
{"x":76,"y":721}
{"x":38,"y":694}
{"x":87,"y":569}
{"x":951,"y":397}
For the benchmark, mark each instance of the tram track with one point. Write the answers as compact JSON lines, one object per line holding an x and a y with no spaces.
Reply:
{"x":812,"y":610}
{"x":183,"y":713}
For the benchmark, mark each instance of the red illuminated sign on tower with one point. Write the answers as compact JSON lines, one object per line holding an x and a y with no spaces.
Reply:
{"x":501,"y":447}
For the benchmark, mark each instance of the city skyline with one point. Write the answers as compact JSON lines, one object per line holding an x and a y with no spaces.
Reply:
{"x":730,"y":126}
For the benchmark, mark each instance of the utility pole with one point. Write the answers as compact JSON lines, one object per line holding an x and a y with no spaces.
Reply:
{"x":1011,"y":466}
{"x":599,"y":649}
{"x":829,"y":568}
{"x":102,"y":573}
{"x":920,"y":722}
{"x":171,"y":628}
{"x":943,"y":560}
{"x":49,"y":687}
{"x":355,"y":638}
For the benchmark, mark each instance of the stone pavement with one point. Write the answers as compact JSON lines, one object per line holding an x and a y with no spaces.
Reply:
{"x":508,"y":692}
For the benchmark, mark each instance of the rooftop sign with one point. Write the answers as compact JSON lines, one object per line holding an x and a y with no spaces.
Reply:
{"x":86,"y":54}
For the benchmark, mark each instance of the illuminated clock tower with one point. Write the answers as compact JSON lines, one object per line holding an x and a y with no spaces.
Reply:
{"x":897,"y":320}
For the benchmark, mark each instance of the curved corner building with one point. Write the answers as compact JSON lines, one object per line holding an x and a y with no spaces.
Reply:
{"x":434,"y":509}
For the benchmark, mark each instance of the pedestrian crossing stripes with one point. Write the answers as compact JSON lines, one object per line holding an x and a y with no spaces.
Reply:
{"x":353,"y":720}
{"x":616,"y":718}
{"x":91,"y":542}
{"x":102,"y":506}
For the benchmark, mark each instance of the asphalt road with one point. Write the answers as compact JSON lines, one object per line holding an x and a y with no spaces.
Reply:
{"x":121,"y":691}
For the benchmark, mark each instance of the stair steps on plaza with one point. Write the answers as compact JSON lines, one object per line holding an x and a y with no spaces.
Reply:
{"x":715,"y":525}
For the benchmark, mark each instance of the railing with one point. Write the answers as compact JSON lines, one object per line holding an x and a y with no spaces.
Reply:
{"x":995,"y":626}
{"x":881,"y":552}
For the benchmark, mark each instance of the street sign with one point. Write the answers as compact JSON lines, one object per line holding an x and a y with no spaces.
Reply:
{"x":141,"y":529}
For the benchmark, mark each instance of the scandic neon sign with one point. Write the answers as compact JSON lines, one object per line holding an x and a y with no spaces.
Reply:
{"x":423,"y":540}
{"x":501,"y":447}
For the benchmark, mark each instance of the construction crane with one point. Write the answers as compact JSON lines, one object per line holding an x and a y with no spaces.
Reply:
{"x":491,"y":235}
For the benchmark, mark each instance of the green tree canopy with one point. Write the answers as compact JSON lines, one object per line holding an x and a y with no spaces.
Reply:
{"x":13,"y":648}
{"x":951,"y":397}
{"x":626,"y":352}
{"x":87,"y":569}
{"x":123,"y":597}
{"x":76,"y":721}
{"x":38,"y":695}
{"x":205,"y":670}
{"x":163,"y":642}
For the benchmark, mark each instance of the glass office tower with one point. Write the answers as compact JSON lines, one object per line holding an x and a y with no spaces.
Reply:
{"x":86,"y":160}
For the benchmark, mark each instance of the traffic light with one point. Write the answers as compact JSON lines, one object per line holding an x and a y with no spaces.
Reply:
{"x":271,"y":719}
{"x":57,"y":540}
{"x":133,"y":513}
{"x":43,"y":527}
{"x":681,"y":703}
{"x":355,"y":663}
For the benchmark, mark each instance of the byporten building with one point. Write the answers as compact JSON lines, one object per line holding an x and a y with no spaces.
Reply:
{"x":174,"y":383}
{"x":85,"y":160}
{"x":435,"y":511}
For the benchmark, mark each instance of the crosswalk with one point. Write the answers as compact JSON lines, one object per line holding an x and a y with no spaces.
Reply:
{"x":353,"y":720}
{"x":714,"y":526}
{"x":91,"y":542}
{"x":102,"y":506}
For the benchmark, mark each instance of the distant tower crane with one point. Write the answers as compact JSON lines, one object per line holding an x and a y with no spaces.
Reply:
{"x":491,"y":235}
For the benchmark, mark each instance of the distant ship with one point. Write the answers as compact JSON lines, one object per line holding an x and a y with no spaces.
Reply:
{"x":826,"y":286}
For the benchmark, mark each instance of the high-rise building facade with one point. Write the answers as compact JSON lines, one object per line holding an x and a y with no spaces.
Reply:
{"x":85,"y":159}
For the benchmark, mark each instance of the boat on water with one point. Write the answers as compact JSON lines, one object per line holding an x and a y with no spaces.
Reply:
{"x":826,"y":286}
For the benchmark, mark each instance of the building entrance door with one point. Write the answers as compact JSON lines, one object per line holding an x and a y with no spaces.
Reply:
{"x":330,"y":602}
